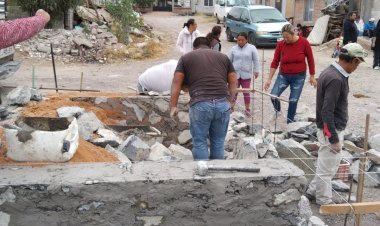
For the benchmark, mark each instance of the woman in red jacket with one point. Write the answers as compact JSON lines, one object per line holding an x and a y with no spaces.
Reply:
{"x":290,"y":54}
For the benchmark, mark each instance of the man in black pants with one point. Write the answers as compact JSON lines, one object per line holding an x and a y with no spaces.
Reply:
{"x":350,"y":32}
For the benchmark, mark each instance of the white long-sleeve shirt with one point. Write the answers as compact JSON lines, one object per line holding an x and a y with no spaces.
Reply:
{"x":185,"y":40}
{"x":245,"y":60}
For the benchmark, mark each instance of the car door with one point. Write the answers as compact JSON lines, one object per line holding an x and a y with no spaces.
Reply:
{"x":245,"y":21}
{"x":234,"y":25}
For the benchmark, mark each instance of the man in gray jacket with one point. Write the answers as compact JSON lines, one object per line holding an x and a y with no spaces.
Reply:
{"x":332,"y":117}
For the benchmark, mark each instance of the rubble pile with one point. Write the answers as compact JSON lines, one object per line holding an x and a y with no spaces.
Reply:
{"x":337,"y":12}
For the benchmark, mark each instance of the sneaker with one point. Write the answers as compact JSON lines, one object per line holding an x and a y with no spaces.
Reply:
{"x":376,"y":68}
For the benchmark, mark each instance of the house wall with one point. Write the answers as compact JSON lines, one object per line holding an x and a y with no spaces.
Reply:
{"x":299,"y":11}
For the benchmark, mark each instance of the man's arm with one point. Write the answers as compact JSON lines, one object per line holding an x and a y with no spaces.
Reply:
{"x":15,"y":31}
{"x":232,"y":84}
{"x":178,"y":79}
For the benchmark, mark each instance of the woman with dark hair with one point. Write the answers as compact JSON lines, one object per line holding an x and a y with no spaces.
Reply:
{"x":376,"y":47}
{"x":213,"y":38}
{"x":245,"y":59}
{"x":187,"y":36}
{"x":290,"y":54}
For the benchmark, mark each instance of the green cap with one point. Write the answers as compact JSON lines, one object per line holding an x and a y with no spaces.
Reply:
{"x":354,"y":50}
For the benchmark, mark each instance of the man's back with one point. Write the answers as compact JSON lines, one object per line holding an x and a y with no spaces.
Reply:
{"x":206,"y":74}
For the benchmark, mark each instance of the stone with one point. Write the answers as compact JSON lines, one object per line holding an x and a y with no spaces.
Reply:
{"x":231,"y":144}
{"x":374,"y":142}
{"x":376,"y":154}
{"x":346,"y":156}
{"x":183,"y":117}
{"x":70,"y":111}
{"x":246,"y":149}
{"x":19,"y":96}
{"x":140,"y":113}
{"x":7,"y":196}
{"x":154,"y":118}
{"x":180,"y":152}
{"x":141,"y":45}
{"x":107,"y":137}
{"x":43,"y":48}
{"x":4,"y":219}
{"x":137,"y":32}
{"x":371,"y":178}
{"x":241,"y":127}
{"x":184,"y":137}
{"x":151,"y":220}
{"x":104,"y":35}
{"x":347,"y":142}
{"x":88,"y":123}
{"x":36,"y":95}
{"x":92,"y":205}
{"x":255,"y":129}
{"x":81,"y":41}
{"x":107,"y":17}
{"x":304,"y":208}
{"x":315,"y":221}
{"x":135,"y":149}
{"x":122,"y":158}
{"x":159,"y":152}
{"x":271,"y":152}
{"x":299,"y":137}
{"x":311,"y":146}
{"x":305,"y":114}
{"x":339,"y":185}
{"x":297,"y":154}
{"x":3,"y":111}
{"x":287,"y":197}
{"x":295,"y":126}
{"x":162,"y":105}
{"x":262,"y":149}
{"x":238,"y":117}
{"x":74,"y":52}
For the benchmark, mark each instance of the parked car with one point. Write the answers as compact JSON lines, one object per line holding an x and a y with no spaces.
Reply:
{"x":222,"y":7}
{"x":263,"y":24}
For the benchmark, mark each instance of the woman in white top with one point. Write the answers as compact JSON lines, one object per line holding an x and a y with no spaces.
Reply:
{"x":187,"y":36}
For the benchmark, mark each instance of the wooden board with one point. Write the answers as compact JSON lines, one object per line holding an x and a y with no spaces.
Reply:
{"x":353,"y":208}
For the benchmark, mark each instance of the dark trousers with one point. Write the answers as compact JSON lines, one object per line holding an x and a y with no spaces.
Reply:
{"x":376,"y":58}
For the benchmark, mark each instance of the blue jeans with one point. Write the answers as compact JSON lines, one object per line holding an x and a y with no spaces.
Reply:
{"x":209,"y":119}
{"x":296,"y":83}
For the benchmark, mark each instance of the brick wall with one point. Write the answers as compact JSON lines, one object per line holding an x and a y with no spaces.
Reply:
{"x":300,"y":11}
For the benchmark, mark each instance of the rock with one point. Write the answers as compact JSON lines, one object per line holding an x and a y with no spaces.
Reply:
{"x":346,"y":156}
{"x":36,"y":95}
{"x":374,"y":142}
{"x":339,"y":185}
{"x":376,"y":154}
{"x":297,"y":154}
{"x":241,"y":127}
{"x":230,"y":144}
{"x":371,"y":179}
{"x":107,"y":137}
{"x":104,"y":35}
{"x":183,"y":117}
{"x":92,"y":205}
{"x":19,"y":96}
{"x":162,"y":105}
{"x":107,"y":17}
{"x":88,"y":123}
{"x":82,"y":42}
{"x":304,"y":208}
{"x":159,"y":152}
{"x":296,"y":126}
{"x":184,"y":137}
{"x":311,"y":146}
{"x":74,"y":52}
{"x":87,"y":13}
{"x":286,"y":197}
{"x":137,"y":32}
{"x":122,"y":158}
{"x":255,"y":129}
{"x":305,"y":114}
{"x":135,"y":149}
{"x":70,"y":111}
{"x":3,"y":112}
{"x":43,"y":48}
{"x":347,"y":142}
{"x":141,"y":45}
{"x":246,"y":149}
{"x":7,"y":196}
{"x":262,"y":149}
{"x":299,"y":137}
{"x":310,"y":130}
{"x":140,"y":113}
{"x":154,"y":118}
{"x":180,"y":152}
{"x":4,"y":219}
{"x":238,"y":117}
{"x":315,"y":221}
{"x":271,"y":152}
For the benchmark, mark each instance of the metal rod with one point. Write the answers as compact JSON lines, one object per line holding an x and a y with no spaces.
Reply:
{"x":64,"y":89}
{"x":33,"y":77}
{"x":349,"y":196}
{"x":245,"y":90}
{"x":81,"y":82}
{"x":363,"y":159}
{"x":55,"y":75}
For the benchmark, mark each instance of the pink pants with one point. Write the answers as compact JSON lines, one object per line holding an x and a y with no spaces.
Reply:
{"x":244,"y":83}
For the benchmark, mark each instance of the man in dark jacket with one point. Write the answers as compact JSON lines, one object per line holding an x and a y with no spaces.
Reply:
{"x":350,"y":32}
{"x":332,"y":117}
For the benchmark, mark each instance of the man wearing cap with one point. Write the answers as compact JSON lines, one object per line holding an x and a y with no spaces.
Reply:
{"x":331,"y":119}
{"x":369,"y":28}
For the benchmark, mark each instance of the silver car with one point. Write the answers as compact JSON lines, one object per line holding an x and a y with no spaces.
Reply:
{"x":263,"y":24}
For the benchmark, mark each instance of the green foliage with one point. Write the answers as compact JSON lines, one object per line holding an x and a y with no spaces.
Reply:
{"x":51,"y":6}
{"x":143,"y":3}
{"x":123,"y":13}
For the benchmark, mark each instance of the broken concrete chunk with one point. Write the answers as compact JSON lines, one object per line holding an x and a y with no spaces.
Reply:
{"x":159,"y":152}
{"x":246,"y":149}
{"x":262,"y":149}
{"x":287,"y":197}
{"x":19,"y":96}
{"x":315,"y":221}
{"x":184,"y":137}
{"x":180,"y":152}
{"x":339,"y":185}
{"x":70,"y":111}
{"x":88,"y":124}
{"x":7,"y":196}
{"x":135,"y":149}
{"x":304,"y":208}
{"x":108,"y":137}
{"x":122,"y":158}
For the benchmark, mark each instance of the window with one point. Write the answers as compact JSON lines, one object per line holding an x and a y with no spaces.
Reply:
{"x":309,"y":9}
{"x":266,"y":16}
{"x":245,"y":17}
{"x":209,"y":3}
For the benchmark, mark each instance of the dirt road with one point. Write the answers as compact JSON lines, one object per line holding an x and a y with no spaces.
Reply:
{"x":117,"y":77}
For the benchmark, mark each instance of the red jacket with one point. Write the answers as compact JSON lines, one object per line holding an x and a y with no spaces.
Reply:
{"x":292,"y":57}
{"x":15,"y":31}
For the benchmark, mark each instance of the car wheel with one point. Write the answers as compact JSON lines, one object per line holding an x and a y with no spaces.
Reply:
{"x":251,"y":39}
{"x":230,"y":38}
{"x":217,"y":19}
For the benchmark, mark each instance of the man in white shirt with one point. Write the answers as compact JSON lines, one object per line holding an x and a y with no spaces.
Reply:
{"x":157,"y":78}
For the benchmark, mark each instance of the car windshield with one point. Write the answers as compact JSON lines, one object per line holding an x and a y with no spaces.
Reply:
{"x":266,"y":16}
{"x":237,"y":2}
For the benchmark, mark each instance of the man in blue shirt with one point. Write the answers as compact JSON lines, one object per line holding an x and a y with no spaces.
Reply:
{"x":369,"y":28}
